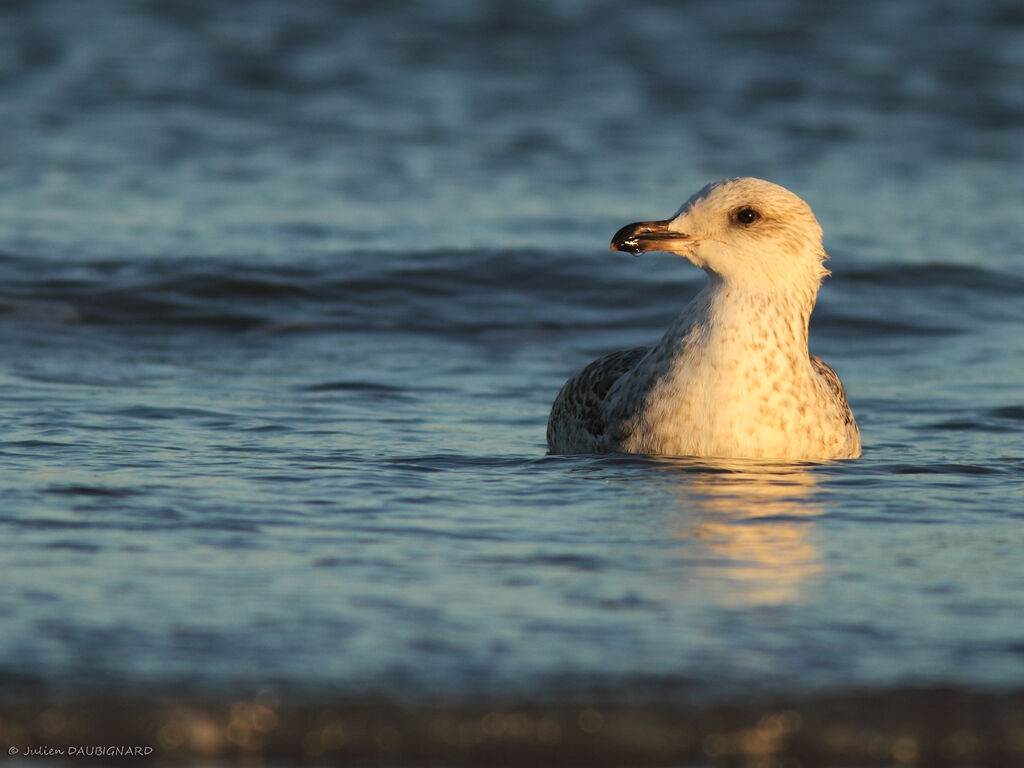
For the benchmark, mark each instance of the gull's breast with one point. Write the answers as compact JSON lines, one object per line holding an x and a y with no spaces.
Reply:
{"x":767,"y":403}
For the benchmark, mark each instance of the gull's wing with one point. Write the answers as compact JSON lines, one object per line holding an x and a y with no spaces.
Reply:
{"x":835,"y":386}
{"x":577,"y":423}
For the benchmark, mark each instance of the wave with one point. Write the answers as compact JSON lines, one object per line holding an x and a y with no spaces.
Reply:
{"x":445,"y":292}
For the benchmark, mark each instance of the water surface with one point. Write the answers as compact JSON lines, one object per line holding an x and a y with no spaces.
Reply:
{"x":287,"y":292}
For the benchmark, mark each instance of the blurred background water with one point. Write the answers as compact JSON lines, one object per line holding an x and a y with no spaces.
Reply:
{"x":287,"y":289}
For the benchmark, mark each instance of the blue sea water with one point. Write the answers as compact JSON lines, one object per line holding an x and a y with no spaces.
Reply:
{"x":286,"y":292}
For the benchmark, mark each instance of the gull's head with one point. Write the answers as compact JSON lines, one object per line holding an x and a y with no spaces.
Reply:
{"x":745,"y":231}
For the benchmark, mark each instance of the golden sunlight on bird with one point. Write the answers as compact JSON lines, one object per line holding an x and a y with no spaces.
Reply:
{"x":732,"y":377}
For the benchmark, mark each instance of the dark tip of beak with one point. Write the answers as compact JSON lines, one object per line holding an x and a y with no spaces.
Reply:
{"x":628,"y":239}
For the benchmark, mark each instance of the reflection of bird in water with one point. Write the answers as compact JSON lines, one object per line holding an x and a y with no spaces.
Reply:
{"x":732,"y":377}
{"x":756,"y":519}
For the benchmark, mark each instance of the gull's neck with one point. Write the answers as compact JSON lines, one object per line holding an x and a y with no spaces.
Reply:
{"x":753,"y":320}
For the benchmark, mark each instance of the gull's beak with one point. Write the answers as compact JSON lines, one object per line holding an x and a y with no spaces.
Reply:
{"x":652,"y":236}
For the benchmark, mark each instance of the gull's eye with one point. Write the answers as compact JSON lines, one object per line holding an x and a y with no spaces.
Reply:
{"x":747,"y":215}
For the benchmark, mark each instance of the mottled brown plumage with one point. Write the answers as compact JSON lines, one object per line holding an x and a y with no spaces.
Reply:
{"x":582,"y":399}
{"x":732,"y":377}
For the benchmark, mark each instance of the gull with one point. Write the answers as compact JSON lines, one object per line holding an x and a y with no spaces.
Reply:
{"x":732,"y":377}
